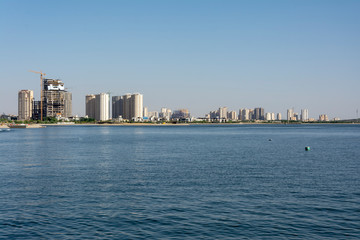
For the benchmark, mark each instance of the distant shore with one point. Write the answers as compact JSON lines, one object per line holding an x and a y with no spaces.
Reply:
{"x":187,"y":124}
{"x":37,"y":125}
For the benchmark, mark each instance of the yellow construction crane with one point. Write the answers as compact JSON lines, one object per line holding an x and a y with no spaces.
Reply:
{"x":41,"y":92}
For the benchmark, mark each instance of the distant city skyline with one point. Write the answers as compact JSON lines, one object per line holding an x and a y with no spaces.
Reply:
{"x":198,"y":55}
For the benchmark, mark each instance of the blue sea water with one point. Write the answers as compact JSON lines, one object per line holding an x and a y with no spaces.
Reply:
{"x":181,"y":182}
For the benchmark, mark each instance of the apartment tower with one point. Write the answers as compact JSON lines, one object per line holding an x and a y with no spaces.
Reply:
{"x":97,"y":106}
{"x":25,"y":104}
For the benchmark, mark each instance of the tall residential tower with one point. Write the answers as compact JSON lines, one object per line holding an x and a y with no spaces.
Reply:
{"x":129,"y":106}
{"x":25,"y":104}
{"x":97,"y":106}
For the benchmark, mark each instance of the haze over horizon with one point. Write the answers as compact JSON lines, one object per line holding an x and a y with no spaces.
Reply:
{"x":199,"y":55}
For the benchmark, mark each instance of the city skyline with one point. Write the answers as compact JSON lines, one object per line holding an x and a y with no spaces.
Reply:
{"x":195,"y":55}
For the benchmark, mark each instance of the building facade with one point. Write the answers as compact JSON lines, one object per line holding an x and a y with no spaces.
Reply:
{"x":25,"y":104}
{"x":259,"y":114}
{"x":98,"y":106}
{"x":290,"y":114}
{"x":128,"y":106}
{"x":181,"y":113}
{"x":117,"y":105}
{"x":232,"y":116}
{"x":304,"y":115}
{"x":323,"y":118}
{"x":102,"y":107}
{"x":90,"y":105}
{"x":146,"y":112}
{"x":223,"y":113}
{"x":56,"y":101}
{"x":245,"y":114}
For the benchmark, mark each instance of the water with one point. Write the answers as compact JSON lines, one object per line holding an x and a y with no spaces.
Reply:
{"x":181,"y":182}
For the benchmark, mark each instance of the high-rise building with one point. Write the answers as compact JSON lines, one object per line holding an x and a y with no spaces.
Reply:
{"x":290,"y":114}
{"x":323,"y":118}
{"x":278,"y":117}
{"x":36,"y":113}
{"x":304,"y":115}
{"x":181,"y":113}
{"x":90,"y":105}
{"x":117,"y":107}
{"x":232,"y":116}
{"x":213,"y":114}
{"x":136,"y":106}
{"x":259,"y":114}
{"x":165,"y":113}
{"x":296,"y":117}
{"x":245,"y":114}
{"x":240,"y":116}
{"x":97,"y":106}
{"x":146,"y":112}
{"x":129,"y":106}
{"x":102,"y":107}
{"x":268,"y":117}
{"x":272,"y":116}
{"x":223,"y":113}
{"x":25,"y":104}
{"x":56,"y":100}
{"x":68,"y":104}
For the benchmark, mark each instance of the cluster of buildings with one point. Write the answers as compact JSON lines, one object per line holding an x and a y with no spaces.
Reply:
{"x":258,"y":114}
{"x":244,"y":114}
{"x":304,"y":116}
{"x":55,"y":102}
{"x":128,"y":107}
{"x":167,"y":114}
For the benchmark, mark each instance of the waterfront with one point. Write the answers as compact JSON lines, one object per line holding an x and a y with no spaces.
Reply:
{"x":211,"y":182}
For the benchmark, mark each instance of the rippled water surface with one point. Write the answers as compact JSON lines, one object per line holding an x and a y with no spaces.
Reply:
{"x":181,"y":182}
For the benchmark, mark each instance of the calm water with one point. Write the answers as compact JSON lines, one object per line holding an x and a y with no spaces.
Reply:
{"x":181,"y":182}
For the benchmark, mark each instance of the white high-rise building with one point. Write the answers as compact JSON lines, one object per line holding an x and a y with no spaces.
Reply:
{"x":268,"y":117}
{"x":304,"y":115}
{"x":25,"y":104}
{"x":129,"y":106}
{"x":245,"y":114}
{"x":102,"y":107}
{"x":279,"y":117}
{"x":290,"y":114}
{"x":323,"y":118}
{"x":146,"y":112}
{"x":98,"y":106}
{"x":136,"y":106}
{"x":165,"y":113}
{"x":273,"y":116}
{"x":223,"y":113}
{"x":232,"y":115}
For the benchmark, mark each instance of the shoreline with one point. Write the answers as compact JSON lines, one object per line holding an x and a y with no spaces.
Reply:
{"x":187,"y":124}
{"x":37,"y":125}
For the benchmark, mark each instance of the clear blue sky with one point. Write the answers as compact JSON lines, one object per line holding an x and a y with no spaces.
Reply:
{"x":196,"y":54}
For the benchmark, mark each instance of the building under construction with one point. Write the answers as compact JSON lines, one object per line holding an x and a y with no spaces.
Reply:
{"x":56,"y":101}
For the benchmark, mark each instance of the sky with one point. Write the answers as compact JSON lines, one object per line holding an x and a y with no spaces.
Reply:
{"x":194,"y":54}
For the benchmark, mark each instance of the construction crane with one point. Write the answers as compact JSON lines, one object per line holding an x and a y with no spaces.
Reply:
{"x":41,"y":92}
